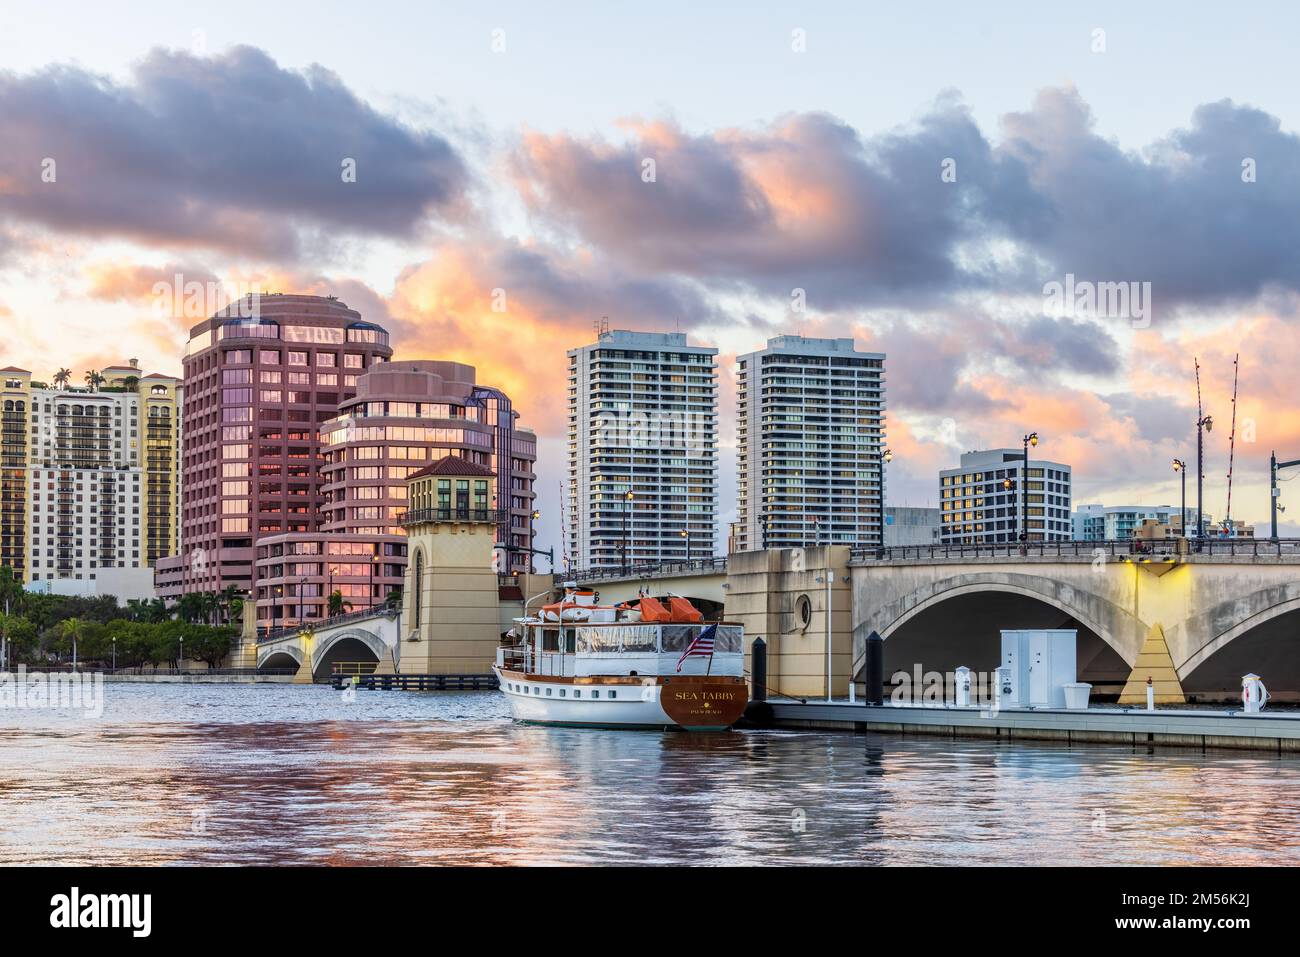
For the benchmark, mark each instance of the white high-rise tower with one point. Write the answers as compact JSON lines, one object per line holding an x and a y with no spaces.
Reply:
{"x":643,"y":409}
{"x":810,"y":438}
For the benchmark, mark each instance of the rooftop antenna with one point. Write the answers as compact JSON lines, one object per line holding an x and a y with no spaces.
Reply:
{"x":602,"y":326}
{"x":1232,"y":435}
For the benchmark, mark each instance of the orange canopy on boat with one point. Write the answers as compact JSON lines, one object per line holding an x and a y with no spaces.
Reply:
{"x":677,"y":610}
{"x":682,"y":610}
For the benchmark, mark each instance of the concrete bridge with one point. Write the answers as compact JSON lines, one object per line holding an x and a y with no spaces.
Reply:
{"x":363,"y":637}
{"x":1232,"y":608}
{"x":1228,"y":610}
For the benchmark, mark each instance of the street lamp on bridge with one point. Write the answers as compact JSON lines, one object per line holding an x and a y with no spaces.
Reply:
{"x":1181,"y":467}
{"x":1030,"y":439}
{"x":1204,"y":424}
{"x":886,"y":457}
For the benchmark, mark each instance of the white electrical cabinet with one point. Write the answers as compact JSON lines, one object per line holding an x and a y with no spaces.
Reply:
{"x":1037,"y":664}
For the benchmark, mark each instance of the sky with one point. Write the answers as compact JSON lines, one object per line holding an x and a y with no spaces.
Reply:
{"x":926,"y":178}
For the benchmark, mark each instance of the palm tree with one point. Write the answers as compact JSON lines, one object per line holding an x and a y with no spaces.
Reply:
{"x":226,"y":599}
{"x":93,"y":379}
{"x":71,"y":632}
{"x":62,"y":378}
{"x":337,"y":603}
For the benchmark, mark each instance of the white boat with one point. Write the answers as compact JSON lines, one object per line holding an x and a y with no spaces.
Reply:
{"x":582,"y":664}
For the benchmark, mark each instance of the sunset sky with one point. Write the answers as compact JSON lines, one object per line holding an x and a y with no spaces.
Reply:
{"x":795,"y":147}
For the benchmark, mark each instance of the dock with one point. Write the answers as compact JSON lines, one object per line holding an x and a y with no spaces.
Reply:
{"x":1278,"y":732}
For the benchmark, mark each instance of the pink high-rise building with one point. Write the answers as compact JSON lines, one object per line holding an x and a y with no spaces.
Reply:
{"x":405,"y":415}
{"x":260,"y":378}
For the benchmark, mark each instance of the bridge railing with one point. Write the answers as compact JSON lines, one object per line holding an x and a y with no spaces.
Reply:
{"x":645,"y":570}
{"x":274,"y":634}
{"x":1238,"y":547}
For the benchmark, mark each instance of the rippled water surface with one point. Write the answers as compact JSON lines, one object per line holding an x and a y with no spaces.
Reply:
{"x":279,"y":774}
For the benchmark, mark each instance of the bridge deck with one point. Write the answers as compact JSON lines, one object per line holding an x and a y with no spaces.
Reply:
{"x":1275,"y":731}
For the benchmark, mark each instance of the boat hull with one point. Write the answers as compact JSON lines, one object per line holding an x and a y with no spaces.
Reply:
{"x":691,"y":703}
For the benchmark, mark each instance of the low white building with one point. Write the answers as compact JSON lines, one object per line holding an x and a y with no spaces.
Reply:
{"x":1117,"y":523}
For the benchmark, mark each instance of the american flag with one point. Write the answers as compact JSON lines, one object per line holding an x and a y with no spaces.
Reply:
{"x":701,"y":647}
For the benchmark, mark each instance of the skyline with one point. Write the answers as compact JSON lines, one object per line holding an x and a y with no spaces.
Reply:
{"x":462,"y":191}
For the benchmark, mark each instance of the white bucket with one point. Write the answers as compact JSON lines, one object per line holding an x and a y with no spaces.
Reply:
{"x":1076,"y":696}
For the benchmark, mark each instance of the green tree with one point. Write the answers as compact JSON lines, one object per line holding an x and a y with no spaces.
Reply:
{"x":70,"y":630}
{"x":20,"y":637}
{"x":227,"y":599}
{"x":62,"y":378}
{"x":337,"y":604}
{"x":209,"y":644}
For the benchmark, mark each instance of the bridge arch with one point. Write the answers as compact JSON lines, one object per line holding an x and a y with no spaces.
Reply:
{"x":951,"y":621}
{"x":338,"y":645}
{"x":1258,"y":633}
{"x":283,"y":655}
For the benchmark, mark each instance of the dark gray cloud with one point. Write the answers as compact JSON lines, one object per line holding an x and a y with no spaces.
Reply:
{"x":229,"y":152}
{"x":1154,"y":417}
{"x":866,"y":221}
{"x":1073,"y":345}
{"x":805,"y":203}
{"x":1178,"y":216}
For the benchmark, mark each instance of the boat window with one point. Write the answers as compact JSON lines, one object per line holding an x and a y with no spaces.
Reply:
{"x":728,"y":638}
{"x":562,"y":693}
{"x":595,"y":694}
{"x":677,"y":637}
{"x":613,"y":693}
{"x":570,"y":640}
{"x":550,"y":639}
{"x":577,"y":692}
{"x":640,"y":638}
{"x":548,"y":692}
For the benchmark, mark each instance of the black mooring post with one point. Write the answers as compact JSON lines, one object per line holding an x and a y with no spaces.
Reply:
{"x":875,"y":669}
{"x":758,"y":670}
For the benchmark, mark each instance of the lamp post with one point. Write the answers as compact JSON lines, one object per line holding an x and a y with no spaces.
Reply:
{"x":686,"y":537}
{"x":1030,"y":439}
{"x":532,"y":537}
{"x":1008,"y":485}
{"x":627,"y":514}
{"x":886,"y":457}
{"x":1181,"y":467}
{"x":115,"y":653}
{"x":180,"y":659}
{"x":1204,"y":424}
{"x":375,"y":559}
{"x":1274,"y":491}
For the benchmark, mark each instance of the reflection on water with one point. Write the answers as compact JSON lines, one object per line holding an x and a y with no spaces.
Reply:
{"x":275,"y":774}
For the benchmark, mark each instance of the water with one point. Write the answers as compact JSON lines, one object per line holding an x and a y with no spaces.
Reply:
{"x":280,"y":774}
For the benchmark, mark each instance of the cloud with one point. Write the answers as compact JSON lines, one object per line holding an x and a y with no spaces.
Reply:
{"x":804,"y":202}
{"x":513,"y":309}
{"x":229,"y":152}
{"x":863,"y":221}
{"x":1178,"y":216}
